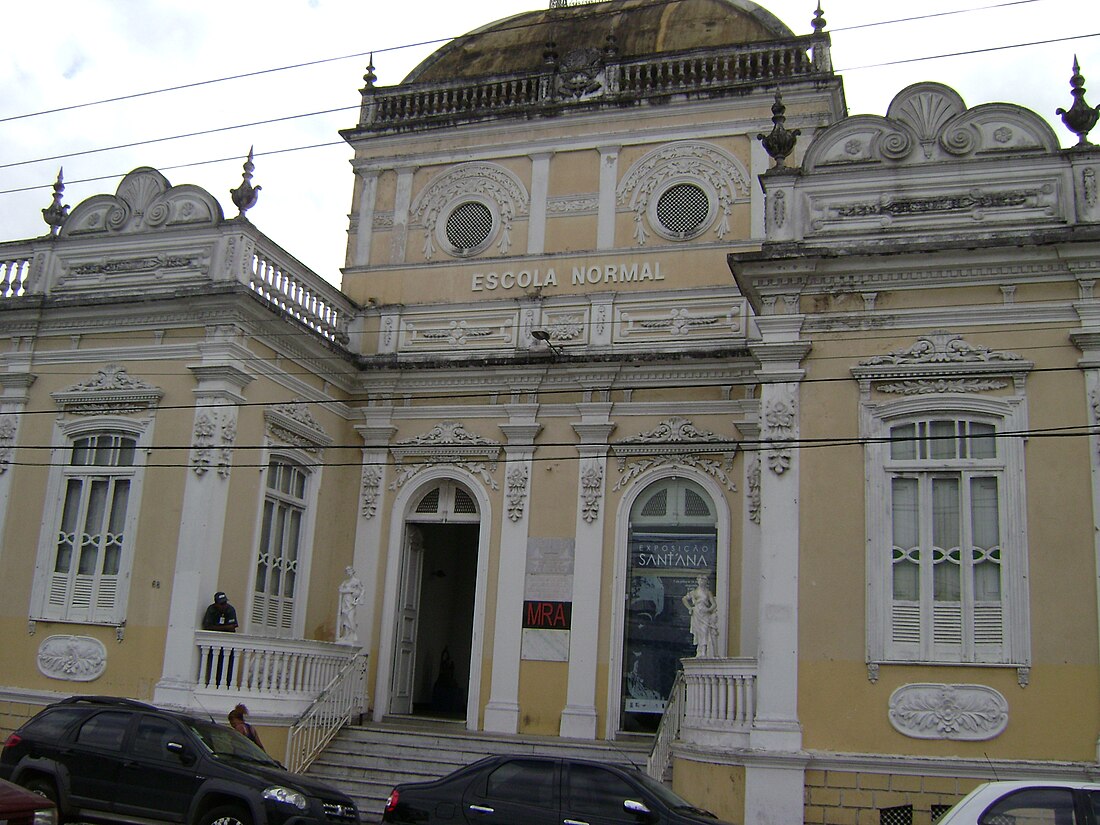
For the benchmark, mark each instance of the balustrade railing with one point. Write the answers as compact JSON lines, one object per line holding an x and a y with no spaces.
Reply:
{"x":15,"y":270}
{"x":668,"y":731}
{"x":300,"y":294}
{"x":410,"y":106}
{"x":719,"y":694}
{"x":344,"y":698}
{"x":240,"y":666}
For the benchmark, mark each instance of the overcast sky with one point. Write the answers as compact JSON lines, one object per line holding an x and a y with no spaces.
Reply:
{"x":67,"y":53}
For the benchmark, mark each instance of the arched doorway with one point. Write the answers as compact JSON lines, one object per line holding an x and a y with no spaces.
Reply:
{"x":433,"y":652}
{"x":672,"y":541}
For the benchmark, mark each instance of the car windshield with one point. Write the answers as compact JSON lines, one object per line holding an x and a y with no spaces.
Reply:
{"x":226,"y":743}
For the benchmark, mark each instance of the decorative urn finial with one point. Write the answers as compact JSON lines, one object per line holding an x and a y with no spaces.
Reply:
{"x":246,"y":195}
{"x":370,"y":77}
{"x":611,"y":48}
{"x":1080,"y":117}
{"x":56,"y":213}
{"x":819,"y":20}
{"x":779,"y":142}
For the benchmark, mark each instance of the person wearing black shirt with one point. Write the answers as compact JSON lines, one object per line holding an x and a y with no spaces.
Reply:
{"x":220,"y":615}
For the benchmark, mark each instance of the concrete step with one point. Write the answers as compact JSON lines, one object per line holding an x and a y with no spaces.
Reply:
{"x":366,"y":761}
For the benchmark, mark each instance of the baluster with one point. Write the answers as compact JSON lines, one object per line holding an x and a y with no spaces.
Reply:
{"x":7,"y":268}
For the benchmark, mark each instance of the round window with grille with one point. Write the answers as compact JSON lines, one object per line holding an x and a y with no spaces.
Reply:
{"x":683,"y":210}
{"x":469,"y":227}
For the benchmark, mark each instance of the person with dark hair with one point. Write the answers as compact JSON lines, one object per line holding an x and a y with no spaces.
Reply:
{"x":238,"y":719}
{"x":220,"y":615}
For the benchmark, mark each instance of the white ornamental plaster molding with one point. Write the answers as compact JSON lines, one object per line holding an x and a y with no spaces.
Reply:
{"x":754,"y":489}
{"x":433,"y":331}
{"x":591,"y":490}
{"x":370,"y":489}
{"x":575,"y":205}
{"x":926,"y":123}
{"x":942,"y":362}
{"x":675,"y":442}
{"x":518,"y":478}
{"x":7,"y":441}
{"x":214,"y":437}
{"x":777,"y":432}
{"x":383,"y":220}
{"x":716,"y":171}
{"x":567,"y":327}
{"x":111,"y":391}
{"x":144,"y":202}
{"x":957,"y":712}
{"x":447,"y":443}
{"x":292,"y":424}
{"x":686,"y":321}
{"x":495,"y":184}
{"x":72,"y":658}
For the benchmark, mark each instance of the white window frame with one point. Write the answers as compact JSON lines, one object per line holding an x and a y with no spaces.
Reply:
{"x":66,"y":434}
{"x":1006,"y":415}
{"x":307,"y":464}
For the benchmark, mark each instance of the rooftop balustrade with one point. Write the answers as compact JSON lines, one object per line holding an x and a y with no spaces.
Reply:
{"x":614,"y":83}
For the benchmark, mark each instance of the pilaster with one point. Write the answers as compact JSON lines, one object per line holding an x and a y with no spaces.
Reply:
{"x":609,"y":179}
{"x":401,"y":205}
{"x":540,"y":188}
{"x":14,"y":394}
{"x":578,"y":720}
{"x":218,"y":392}
{"x":502,"y":711}
{"x":364,"y":224}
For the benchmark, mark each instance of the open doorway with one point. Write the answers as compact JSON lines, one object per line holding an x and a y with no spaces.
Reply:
{"x":436,"y":607}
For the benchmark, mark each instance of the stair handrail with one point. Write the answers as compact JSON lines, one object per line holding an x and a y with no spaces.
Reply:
{"x":668,"y":731}
{"x":344,"y":697}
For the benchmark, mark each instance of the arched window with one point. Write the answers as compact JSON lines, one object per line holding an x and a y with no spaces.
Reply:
{"x":672,"y":542}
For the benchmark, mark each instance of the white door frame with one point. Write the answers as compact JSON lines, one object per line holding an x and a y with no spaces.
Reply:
{"x":400,"y":514}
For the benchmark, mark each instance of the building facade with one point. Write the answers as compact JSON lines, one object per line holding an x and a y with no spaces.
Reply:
{"x":660,"y":399}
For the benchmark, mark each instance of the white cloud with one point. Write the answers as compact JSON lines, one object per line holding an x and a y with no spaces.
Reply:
{"x":99,"y":49}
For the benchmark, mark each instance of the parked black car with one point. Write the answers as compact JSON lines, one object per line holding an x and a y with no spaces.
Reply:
{"x":535,"y":790}
{"x":103,"y":758}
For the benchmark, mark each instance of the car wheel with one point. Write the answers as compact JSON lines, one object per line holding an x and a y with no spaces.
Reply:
{"x":45,"y":787}
{"x":226,"y":815}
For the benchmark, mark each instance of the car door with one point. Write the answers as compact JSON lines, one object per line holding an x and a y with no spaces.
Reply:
{"x":518,"y":790}
{"x":595,"y":795}
{"x":92,"y":758}
{"x":154,"y":780}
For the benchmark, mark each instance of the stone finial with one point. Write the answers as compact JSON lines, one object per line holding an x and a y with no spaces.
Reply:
{"x":779,"y":142}
{"x":819,"y":20}
{"x":370,"y":77}
{"x":550,"y":55}
{"x":611,"y":48}
{"x":246,"y":195}
{"x":1080,"y":117}
{"x":56,"y":213}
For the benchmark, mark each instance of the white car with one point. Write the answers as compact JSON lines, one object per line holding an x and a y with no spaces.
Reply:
{"x":1034,"y":802}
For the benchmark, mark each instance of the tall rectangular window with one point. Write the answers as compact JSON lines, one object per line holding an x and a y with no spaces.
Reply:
{"x":947,"y":596}
{"x":87,"y":565}
{"x":280,"y":543}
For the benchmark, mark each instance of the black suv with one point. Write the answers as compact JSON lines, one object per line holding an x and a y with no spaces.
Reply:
{"x":99,"y":757}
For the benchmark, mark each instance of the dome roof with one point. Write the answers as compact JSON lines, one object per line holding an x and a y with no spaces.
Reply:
{"x":641,"y":28}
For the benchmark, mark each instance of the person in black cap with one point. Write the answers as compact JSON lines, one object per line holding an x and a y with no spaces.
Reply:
{"x":220,"y":615}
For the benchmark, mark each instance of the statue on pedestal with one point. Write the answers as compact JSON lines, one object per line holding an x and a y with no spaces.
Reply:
{"x":704,"y":618}
{"x":351,"y":595}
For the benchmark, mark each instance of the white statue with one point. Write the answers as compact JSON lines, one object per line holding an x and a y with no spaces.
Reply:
{"x":704,"y":618}
{"x":351,"y":595}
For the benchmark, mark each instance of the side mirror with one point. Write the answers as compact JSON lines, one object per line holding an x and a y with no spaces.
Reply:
{"x":182,"y":753}
{"x":635,"y":807}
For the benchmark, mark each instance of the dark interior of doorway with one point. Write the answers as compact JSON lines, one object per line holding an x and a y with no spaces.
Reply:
{"x":446,"y":619}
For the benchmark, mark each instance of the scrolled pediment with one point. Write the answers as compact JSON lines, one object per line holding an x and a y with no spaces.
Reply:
{"x":144,"y":202}
{"x":942,"y":361}
{"x":111,"y":391}
{"x":292,"y":424}
{"x":676,"y":441}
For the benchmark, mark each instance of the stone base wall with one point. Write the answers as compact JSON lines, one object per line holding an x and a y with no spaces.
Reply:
{"x":857,"y":798}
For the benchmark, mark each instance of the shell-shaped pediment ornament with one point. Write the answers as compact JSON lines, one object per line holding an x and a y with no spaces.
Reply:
{"x":144,"y":201}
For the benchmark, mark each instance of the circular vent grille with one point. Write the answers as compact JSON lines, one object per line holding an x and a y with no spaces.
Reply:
{"x":468,"y":226}
{"x":682,"y":209}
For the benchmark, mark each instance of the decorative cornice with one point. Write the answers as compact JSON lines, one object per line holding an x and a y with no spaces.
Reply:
{"x":292,"y":424}
{"x":447,"y":443}
{"x":942,"y":362}
{"x":111,"y":391}
{"x":675,"y":442}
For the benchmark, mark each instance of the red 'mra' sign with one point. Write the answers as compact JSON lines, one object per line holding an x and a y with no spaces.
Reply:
{"x":547,"y":615}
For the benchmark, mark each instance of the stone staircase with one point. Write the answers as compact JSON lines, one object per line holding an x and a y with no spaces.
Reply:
{"x":366,"y":761}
